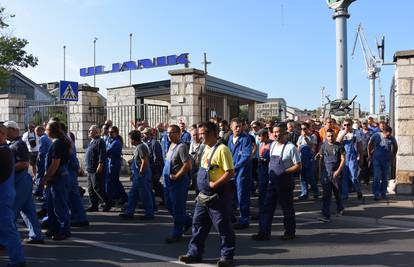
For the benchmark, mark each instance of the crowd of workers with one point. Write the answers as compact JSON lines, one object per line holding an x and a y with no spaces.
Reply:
{"x":225,"y":163}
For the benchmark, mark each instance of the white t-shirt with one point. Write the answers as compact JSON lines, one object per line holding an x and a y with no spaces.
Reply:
{"x":301,"y":140}
{"x":350,"y":135}
{"x":27,"y":136}
{"x":290,"y":154}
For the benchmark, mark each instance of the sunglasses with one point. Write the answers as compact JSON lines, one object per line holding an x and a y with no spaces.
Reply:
{"x":347,"y":124}
{"x":304,"y":128}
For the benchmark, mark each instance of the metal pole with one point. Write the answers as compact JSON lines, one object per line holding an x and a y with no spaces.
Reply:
{"x":130,"y":56}
{"x":340,"y":16}
{"x":64,"y":62}
{"x":372,"y":95}
{"x":94,"y":62}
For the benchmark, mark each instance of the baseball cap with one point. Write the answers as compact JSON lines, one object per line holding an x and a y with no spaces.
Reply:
{"x":11,"y":124}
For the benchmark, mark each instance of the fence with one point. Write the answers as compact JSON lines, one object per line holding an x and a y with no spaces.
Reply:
{"x":42,"y":113}
{"x":126,"y":117}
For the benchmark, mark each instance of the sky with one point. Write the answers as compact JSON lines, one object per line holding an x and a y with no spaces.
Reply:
{"x":282,"y":47}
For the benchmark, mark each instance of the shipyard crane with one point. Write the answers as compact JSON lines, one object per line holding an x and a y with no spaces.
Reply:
{"x":372,"y":63}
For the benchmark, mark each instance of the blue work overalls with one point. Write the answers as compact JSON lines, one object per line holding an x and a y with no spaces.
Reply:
{"x":263,"y":166}
{"x":330,"y":184}
{"x":58,"y":198}
{"x":113,"y":186}
{"x":280,"y":189}
{"x":382,"y":162}
{"x":141,"y":190}
{"x":185,"y":138}
{"x":241,"y":152}
{"x":77,"y":210}
{"x":23,"y":203}
{"x":44,"y":144}
{"x":175,"y":196}
{"x":351,"y":168}
{"x":307,"y":173}
{"x":9,"y":236}
{"x":218,"y":214}
{"x":165,"y":143}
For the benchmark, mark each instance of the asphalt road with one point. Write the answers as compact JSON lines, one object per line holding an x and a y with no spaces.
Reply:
{"x":347,"y":240}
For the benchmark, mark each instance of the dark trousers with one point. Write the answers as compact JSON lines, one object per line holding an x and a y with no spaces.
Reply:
{"x":366,"y":171}
{"x":328,"y":188}
{"x":156,"y":184}
{"x":219,"y":215}
{"x":279,"y":191}
{"x":96,"y":189}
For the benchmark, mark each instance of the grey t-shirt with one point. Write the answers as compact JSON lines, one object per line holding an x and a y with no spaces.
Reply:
{"x":180,"y":156}
{"x":141,"y":151}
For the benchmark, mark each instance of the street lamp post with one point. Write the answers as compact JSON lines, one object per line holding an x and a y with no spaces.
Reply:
{"x":130,"y":57}
{"x":94,"y":61}
{"x":340,"y":16}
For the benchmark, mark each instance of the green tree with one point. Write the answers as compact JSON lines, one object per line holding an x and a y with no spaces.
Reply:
{"x":12,"y":53}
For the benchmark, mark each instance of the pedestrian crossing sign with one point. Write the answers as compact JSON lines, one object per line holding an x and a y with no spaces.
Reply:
{"x":68,"y":91}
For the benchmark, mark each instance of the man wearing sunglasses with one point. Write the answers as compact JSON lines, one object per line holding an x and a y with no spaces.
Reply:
{"x":366,"y":134}
{"x":352,"y":142}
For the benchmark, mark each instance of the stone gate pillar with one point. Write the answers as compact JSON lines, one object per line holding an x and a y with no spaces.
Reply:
{"x":404,"y":121}
{"x":80,"y":118}
{"x":12,"y":108}
{"x":187,"y":96}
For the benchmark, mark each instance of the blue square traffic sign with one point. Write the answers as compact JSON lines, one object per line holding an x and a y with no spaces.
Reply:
{"x":68,"y":91}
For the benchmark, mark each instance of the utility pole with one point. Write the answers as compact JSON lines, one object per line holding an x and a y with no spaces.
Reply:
{"x":130,"y":57}
{"x":64,"y":62}
{"x":205,"y":63}
{"x":64,"y":78}
{"x":340,"y":16}
{"x":94,"y":61}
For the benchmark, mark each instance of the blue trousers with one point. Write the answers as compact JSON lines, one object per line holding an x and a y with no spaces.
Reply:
{"x":243,"y":186}
{"x":77,"y":211}
{"x":25,"y":206}
{"x":141,"y":189}
{"x":58,"y":206}
{"x":9,"y":236}
{"x":219,"y":215}
{"x":381,"y":171}
{"x":350,"y":173}
{"x":307,"y":177}
{"x":328,"y":189}
{"x":279,"y":191}
{"x":113,"y":186}
{"x":40,"y":172}
{"x":263,"y":183}
{"x":175,"y":196}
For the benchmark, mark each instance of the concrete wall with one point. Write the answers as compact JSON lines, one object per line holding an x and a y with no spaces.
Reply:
{"x":404,"y":121}
{"x":12,"y":109}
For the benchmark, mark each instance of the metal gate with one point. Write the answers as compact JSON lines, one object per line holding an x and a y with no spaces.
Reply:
{"x":38,"y":115}
{"x":126,"y":117}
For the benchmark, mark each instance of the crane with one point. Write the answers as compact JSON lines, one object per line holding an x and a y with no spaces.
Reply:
{"x":372,"y":63}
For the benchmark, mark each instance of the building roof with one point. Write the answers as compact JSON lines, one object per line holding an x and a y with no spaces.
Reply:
{"x":28,"y":81}
{"x":403,"y":54}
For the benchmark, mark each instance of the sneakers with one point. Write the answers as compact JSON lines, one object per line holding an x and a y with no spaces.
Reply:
{"x":260,"y":237}
{"x":287,"y":237}
{"x":33,"y":241}
{"x":107,"y":207}
{"x":324,"y":219}
{"x":187,"y":259}
{"x":173,"y":239}
{"x":240,"y":226}
{"x":224,"y":262}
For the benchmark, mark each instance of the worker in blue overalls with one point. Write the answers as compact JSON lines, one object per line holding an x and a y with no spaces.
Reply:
{"x":57,"y":178}
{"x":241,"y":149}
{"x":382,"y":148}
{"x":263,"y":165}
{"x":141,"y":180}
{"x":113,"y":186}
{"x":77,"y":211}
{"x":44,"y":144}
{"x":185,"y":137}
{"x":332,"y":155}
{"x":9,"y":236}
{"x":176,"y":174}
{"x":307,"y":142}
{"x":352,"y":142}
{"x":214,"y":181}
{"x":284,"y":162}
{"x":23,"y":184}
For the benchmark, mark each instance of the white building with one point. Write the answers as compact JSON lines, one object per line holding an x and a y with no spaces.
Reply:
{"x":272,"y":109}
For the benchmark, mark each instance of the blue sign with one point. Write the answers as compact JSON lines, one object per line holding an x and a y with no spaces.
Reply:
{"x":137,"y":65}
{"x":68,"y":91}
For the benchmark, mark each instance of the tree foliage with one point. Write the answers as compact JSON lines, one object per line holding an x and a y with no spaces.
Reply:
{"x":12,"y":53}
